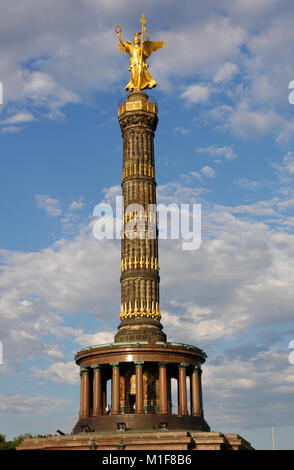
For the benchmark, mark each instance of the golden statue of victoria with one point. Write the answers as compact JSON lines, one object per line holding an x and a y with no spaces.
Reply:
{"x":139,"y":51}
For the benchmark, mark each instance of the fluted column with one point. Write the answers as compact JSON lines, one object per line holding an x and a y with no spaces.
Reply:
{"x":197,"y":405}
{"x":85,"y":389}
{"x":115,"y":406}
{"x":97,"y":391}
{"x":139,"y":387}
{"x":139,"y":246}
{"x":182,"y":390}
{"x":162,"y":389}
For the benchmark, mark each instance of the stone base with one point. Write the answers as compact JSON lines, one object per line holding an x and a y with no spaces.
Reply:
{"x":140,"y":330}
{"x":129,"y":441}
{"x":135,"y":422}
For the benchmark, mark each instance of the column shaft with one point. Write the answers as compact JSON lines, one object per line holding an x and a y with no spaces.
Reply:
{"x":162,"y":389}
{"x":182,"y":391}
{"x":81,"y":395}
{"x":139,"y":389}
{"x":85,"y":394}
{"x":97,"y":392}
{"x":115,"y":409}
{"x":197,"y":405}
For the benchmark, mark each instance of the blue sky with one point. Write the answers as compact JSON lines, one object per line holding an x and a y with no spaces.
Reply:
{"x":224,"y":140}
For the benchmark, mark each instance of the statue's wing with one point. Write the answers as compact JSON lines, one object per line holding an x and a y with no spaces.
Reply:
{"x":123,"y":48}
{"x":152,"y":46}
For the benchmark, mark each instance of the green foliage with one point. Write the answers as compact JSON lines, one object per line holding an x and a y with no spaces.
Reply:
{"x":11,"y":445}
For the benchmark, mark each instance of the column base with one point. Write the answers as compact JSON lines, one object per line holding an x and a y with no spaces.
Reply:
{"x":142,"y":422}
{"x":139,"y":330}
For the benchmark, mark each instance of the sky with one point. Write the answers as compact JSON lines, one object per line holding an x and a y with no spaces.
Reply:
{"x":224,"y":140}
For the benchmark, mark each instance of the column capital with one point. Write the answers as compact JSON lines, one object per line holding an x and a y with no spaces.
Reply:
{"x":183,"y":365}
{"x":96,"y":366}
{"x":114,"y":364}
{"x":84,"y":370}
{"x":198,"y":369}
{"x":139,"y":363}
{"x":163,"y":364}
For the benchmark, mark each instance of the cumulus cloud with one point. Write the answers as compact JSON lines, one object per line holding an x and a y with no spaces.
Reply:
{"x":76,"y":205}
{"x":60,"y":62}
{"x":59,"y":372}
{"x":225,"y":72}
{"x":11,"y":129}
{"x":22,"y":405}
{"x":195,"y":94}
{"x":18,"y":118}
{"x":38,"y":288}
{"x":249,"y":184}
{"x":287,"y":166}
{"x":265,"y":380}
{"x":239,"y":278}
{"x":182,"y":130}
{"x":218,"y":152}
{"x":246,"y":122}
{"x":49,"y":204}
{"x":208,"y":171}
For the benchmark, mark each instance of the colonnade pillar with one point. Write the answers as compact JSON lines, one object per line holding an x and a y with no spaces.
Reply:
{"x":197,"y":405}
{"x":139,"y":387}
{"x":84,"y":393}
{"x":182,"y":390}
{"x":115,"y":408}
{"x":97,"y":391}
{"x":162,"y":388}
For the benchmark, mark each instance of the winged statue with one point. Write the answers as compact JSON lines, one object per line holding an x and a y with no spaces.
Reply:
{"x":139,"y":51}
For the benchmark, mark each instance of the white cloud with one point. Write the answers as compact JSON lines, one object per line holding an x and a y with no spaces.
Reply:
{"x":239,"y":391}
{"x":182,"y":130}
{"x":60,"y":372}
{"x":225,"y":72}
{"x":22,"y":405}
{"x":62,"y":278}
{"x":198,"y":46}
{"x":239,"y":278}
{"x":45,"y":92}
{"x":110,"y":194}
{"x":46,"y":70}
{"x":208,"y":171}
{"x":11,"y":129}
{"x":50,"y":205}
{"x":179,"y":193}
{"x":18,"y":118}
{"x":196,"y":93}
{"x":216,"y":151}
{"x":102,"y":337}
{"x":258,"y":208}
{"x":287,"y":167}
{"x":76,"y":205}
{"x":251,"y":185}
{"x":247,"y":123}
